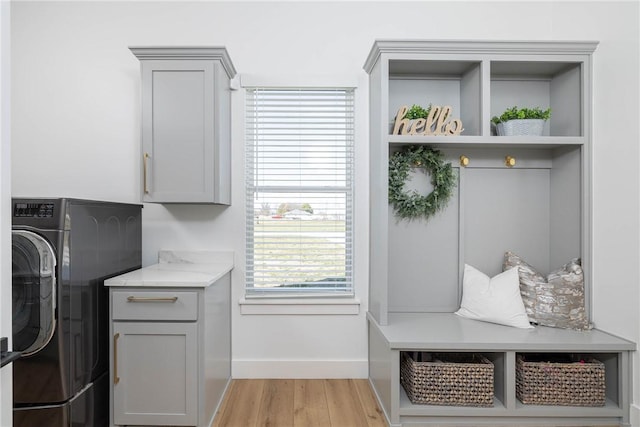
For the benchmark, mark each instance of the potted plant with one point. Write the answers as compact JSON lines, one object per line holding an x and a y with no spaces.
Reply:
{"x":415,"y":112}
{"x":418,"y":112}
{"x":521,"y":121}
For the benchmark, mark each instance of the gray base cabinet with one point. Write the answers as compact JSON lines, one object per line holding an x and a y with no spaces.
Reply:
{"x":170,"y":353}
{"x":186,"y":124}
{"x":527,"y":194}
{"x":157,"y":375}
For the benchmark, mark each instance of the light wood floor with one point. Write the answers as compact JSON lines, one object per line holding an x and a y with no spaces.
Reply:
{"x":299,"y":403}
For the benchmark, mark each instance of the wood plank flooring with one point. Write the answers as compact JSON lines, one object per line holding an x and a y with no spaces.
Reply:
{"x":299,"y":403}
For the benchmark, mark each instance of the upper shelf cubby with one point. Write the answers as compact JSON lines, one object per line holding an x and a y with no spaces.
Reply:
{"x":479,"y":80}
{"x":543,"y":84}
{"x":456,"y":84}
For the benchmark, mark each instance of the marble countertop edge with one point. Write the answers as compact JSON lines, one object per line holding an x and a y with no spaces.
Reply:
{"x":178,"y":269}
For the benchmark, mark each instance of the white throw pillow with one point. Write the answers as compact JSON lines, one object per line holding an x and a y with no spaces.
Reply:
{"x":495,"y":300}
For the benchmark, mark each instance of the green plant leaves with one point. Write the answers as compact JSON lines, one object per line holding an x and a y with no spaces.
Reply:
{"x":515,"y":113}
{"x":417,"y":112}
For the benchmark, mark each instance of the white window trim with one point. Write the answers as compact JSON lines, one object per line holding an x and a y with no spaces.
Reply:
{"x":299,"y":305}
{"x":296,"y":80}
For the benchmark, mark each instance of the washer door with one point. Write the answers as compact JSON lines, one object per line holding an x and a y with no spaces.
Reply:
{"x":34,"y":291}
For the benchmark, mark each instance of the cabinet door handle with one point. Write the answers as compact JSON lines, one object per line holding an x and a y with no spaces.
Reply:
{"x":116,"y":378}
{"x":152,"y":299}
{"x":144,"y":172}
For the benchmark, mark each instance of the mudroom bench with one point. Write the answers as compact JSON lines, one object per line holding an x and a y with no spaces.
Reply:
{"x":448,"y":333}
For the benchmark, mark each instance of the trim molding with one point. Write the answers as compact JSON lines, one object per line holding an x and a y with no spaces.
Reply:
{"x":381,"y":47}
{"x":218,"y":53}
{"x":635,"y":415}
{"x":329,"y":306}
{"x":307,"y":369}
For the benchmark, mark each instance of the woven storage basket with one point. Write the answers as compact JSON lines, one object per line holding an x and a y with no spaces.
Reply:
{"x":560,"y":383}
{"x":530,"y":127}
{"x":455,"y":379}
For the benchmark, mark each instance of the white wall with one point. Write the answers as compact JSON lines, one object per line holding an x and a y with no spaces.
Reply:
{"x":6,"y":413}
{"x":76,"y":129}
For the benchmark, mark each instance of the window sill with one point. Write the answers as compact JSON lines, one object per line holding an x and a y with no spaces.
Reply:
{"x":250,"y":306}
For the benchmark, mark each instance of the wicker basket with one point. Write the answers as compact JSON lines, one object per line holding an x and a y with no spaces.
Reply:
{"x":454,"y":379}
{"x":549,"y":380}
{"x":529,"y":127}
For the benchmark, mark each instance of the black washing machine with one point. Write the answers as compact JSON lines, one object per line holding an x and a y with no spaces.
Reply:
{"x":62,"y":251}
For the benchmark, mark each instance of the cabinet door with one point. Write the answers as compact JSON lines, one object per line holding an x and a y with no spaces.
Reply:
{"x":178,"y":137}
{"x":155,"y":373}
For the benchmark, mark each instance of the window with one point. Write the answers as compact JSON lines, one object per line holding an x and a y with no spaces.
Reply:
{"x":299,"y":175}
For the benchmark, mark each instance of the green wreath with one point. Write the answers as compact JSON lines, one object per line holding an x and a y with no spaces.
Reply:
{"x":411,"y":204}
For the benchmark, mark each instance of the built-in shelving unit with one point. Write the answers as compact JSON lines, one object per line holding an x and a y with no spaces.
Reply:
{"x":539,"y":208}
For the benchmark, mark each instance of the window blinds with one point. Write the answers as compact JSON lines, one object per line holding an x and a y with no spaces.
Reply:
{"x":299,"y":175}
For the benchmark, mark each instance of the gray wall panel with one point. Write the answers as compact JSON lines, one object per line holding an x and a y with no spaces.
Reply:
{"x":378,"y":158}
{"x":423,"y":264}
{"x":471,"y":96}
{"x":566,"y":201}
{"x":565,"y":101}
{"x":506,"y":209}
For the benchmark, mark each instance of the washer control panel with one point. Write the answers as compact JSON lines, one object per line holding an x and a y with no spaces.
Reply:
{"x":33,"y":210}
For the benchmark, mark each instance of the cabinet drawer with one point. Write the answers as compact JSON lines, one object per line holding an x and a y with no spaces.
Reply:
{"x":154,"y":305}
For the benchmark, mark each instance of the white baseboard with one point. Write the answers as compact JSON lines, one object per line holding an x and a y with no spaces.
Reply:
{"x":635,"y":416}
{"x":309,"y":369}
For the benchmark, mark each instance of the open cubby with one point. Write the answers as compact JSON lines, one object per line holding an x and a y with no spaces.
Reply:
{"x":539,"y":208}
{"x":532,"y":209}
{"x":543,"y":84}
{"x":559,"y":379}
{"x":497,"y":375}
{"x":451,"y":83}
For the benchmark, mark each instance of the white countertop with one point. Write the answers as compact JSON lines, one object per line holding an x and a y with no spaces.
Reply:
{"x":178,"y":269}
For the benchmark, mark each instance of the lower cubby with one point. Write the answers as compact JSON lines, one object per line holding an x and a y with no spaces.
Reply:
{"x":452,"y":378}
{"x":560,"y":379}
{"x":445,"y":336}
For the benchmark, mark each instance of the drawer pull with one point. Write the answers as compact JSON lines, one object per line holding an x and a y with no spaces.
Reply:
{"x":144,"y":169}
{"x":116,"y":378}
{"x":152,"y":299}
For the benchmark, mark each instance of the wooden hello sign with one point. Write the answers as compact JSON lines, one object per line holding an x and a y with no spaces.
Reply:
{"x":437,"y":122}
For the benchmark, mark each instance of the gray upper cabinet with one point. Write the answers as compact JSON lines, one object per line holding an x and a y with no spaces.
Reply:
{"x":186,"y":124}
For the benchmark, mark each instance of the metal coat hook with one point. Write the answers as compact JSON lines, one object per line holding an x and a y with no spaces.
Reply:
{"x":509,"y":161}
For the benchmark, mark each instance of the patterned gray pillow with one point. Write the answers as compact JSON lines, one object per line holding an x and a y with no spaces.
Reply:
{"x":556,"y":301}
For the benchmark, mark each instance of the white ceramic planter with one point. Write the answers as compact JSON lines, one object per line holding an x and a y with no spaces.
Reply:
{"x":531,"y":127}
